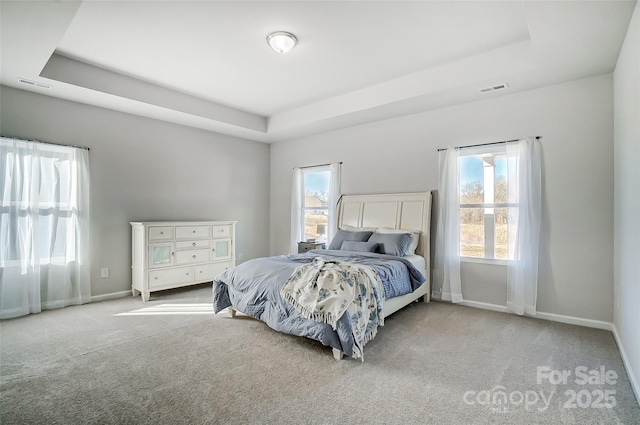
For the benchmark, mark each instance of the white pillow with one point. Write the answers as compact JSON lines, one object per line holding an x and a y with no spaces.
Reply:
{"x":415,"y":237}
{"x":357,"y":229}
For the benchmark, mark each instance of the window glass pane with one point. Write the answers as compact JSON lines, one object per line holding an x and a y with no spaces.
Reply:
{"x":484,"y":177}
{"x":501,"y":234}
{"x":501,"y":189}
{"x":49,"y":182}
{"x":471,"y":180}
{"x":40,"y":223}
{"x":316,"y":201}
{"x":316,"y":188}
{"x":64,"y":174}
{"x":315,"y":225}
{"x":472,"y":232}
{"x":55,"y":183}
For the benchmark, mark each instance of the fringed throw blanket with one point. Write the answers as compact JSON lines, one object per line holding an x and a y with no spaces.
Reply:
{"x":325,"y":289}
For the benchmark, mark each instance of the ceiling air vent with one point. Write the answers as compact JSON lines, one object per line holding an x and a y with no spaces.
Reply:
{"x":33,"y":83}
{"x":494,"y":88}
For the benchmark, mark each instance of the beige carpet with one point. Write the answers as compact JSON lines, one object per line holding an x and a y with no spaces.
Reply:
{"x":176,"y":364}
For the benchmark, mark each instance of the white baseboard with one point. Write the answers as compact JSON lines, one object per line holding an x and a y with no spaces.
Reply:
{"x":111,"y":296}
{"x":633,"y":379}
{"x":589,"y":323}
{"x":485,"y":306}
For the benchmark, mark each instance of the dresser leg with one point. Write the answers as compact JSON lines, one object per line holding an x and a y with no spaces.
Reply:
{"x":337,"y":354}
{"x":146,"y":296}
{"x":135,"y":292}
{"x":232,"y":312}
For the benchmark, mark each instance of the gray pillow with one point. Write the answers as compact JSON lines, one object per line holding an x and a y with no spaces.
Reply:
{"x":392,"y":243}
{"x":343,"y":235}
{"x":359,"y":246}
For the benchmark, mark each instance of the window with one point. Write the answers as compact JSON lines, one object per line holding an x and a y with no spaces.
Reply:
{"x":44,"y":227}
{"x":314,"y":197}
{"x":315,"y":208}
{"x":489,"y":207}
{"x":485,"y":205}
{"x":55,"y":206}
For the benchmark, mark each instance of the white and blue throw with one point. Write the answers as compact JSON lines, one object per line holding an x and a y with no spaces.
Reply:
{"x":324,"y":290}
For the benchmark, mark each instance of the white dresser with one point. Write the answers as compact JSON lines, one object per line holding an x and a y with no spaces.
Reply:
{"x":171,"y":254}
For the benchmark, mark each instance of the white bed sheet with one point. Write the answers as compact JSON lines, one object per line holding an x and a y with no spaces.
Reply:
{"x":417,"y":261}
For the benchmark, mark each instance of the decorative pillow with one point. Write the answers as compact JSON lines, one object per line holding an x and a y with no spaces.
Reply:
{"x":392,"y":243}
{"x":343,"y":235}
{"x":359,"y":246}
{"x":415,"y":238}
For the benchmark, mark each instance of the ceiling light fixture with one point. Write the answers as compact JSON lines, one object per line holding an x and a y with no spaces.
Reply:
{"x":282,"y":41}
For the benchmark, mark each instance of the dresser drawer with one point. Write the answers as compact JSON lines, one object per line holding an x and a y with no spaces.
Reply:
{"x":159,"y":278}
{"x":210,"y":271}
{"x":193,"y":256}
{"x":193,"y":232}
{"x":202,"y":243}
{"x":160,"y":233}
{"x":222,"y":231}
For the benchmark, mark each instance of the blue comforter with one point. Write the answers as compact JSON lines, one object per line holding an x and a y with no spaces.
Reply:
{"x":254,"y":288}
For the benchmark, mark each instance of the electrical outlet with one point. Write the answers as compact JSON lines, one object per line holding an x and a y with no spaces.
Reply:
{"x":104,"y":272}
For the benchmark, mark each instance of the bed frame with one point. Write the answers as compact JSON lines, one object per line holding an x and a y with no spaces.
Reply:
{"x":409,"y":211}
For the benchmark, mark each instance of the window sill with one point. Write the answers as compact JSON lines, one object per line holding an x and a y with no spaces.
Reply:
{"x":484,"y":261}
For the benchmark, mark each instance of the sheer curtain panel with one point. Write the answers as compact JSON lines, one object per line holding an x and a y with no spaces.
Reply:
{"x":44,"y":227}
{"x":447,"y":256}
{"x":297,"y":198}
{"x":334,"y":196}
{"x":525,"y":189}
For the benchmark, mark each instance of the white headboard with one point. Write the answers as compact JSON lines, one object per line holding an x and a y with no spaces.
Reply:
{"x":409,"y":211}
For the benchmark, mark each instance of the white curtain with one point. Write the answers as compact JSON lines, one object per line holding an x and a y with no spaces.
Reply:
{"x":334,"y":196}
{"x":297,"y":198}
{"x":447,"y":256}
{"x":44,"y":227}
{"x":525,"y":188}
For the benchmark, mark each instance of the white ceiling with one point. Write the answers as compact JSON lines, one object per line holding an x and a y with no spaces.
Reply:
{"x":206,"y":64}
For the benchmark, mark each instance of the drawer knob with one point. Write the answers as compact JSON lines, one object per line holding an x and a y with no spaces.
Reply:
{"x":194,"y":231}
{"x":193,"y":244}
{"x":200,"y":271}
{"x":194,"y":257}
{"x":187,"y":273}
{"x":162,"y":233}
{"x":156,"y":278}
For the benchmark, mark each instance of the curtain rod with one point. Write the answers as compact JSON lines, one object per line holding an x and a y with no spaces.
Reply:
{"x":46,"y":143}
{"x":485,"y":144}
{"x":319,"y":165}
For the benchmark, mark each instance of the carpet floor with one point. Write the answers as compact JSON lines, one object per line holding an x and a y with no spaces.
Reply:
{"x":171,"y":361}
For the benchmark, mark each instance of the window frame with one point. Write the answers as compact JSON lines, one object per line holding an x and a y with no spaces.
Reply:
{"x":497,"y":151}
{"x":304,"y":208}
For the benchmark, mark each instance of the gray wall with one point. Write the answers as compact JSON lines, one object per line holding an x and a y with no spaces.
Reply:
{"x":627,"y":200}
{"x":399,"y":155}
{"x":143,"y":169}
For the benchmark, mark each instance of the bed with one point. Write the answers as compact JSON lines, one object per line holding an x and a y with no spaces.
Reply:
{"x":254,"y":287}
